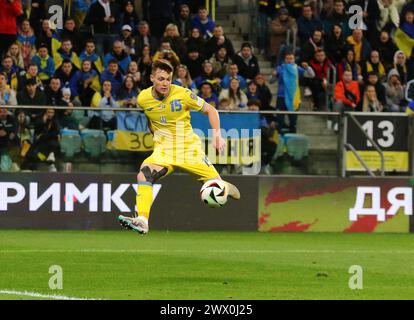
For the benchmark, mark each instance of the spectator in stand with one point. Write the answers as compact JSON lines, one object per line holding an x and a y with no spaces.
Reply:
{"x":309,"y":48}
{"x":24,"y":135}
{"x":103,"y":119}
{"x":66,"y":118}
{"x":264,"y":93}
{"x":128,"y":41}
{"x":338,"y":16}
{"x":103,"y":16}
{"x":335,"y":44}
{"x":204,"y":23}
{"x":37,"y":14}
{"x":238,"y":99}
{"x":31,"y":96}
{"x":8,"y":131}
{"x":160,"y":15}
{"x":281,"y":25}
{"x":16,"y":54}
{"x":11,"y":71}
{"x":183,"y":22}
{"x":217,"y":41}
{"x":90,"y":54}
{"x":85,"y":83}
{"x":45,"y":64}
{"x":66,"y":74}
{"x":119,"y":55}
{"x":388,"y":18}
{"x":394,"y":92}
{"x":296,"y":7}
{"x":349,"y":64}
{"x":221,"y":62}
{"x":129,"y":15}
{"x":7,"y":95}
{"x":145,"y":68}
{"x":197,"y":42}
{"x":372,"y":79}
{"x":113,"y":75}
{"x":288,"y":92}
{"x":177,"y":43}
{"x":371,"y":16}
{"x":347,"y":95}
{"x":47,"y":36}
{"x":144,"y":38}
{"x":400,"y":65}
{"x":387,"y":49}
{"x":182,"y":78}
{"x":266,"y":9}
{"x":166,"y":52}
{"x":374,"y":64}
{"x":359,"y":45}
{"x":27,"y":41}
{"x":194,"y":62}
{"x":407,"y":24}
{"x":127,"y":95}
{"x":233,"y":73}
{"x":32,"y":73}
{"x":209,"y":76}
{"x":46,"y":142}
{"x":370,"y":102}
{"x":66,"y":53}
{"x":322,"y":66}
{"x":9,"y":12}
{"x":247,"y":62}
{"x":53,"y":92}
{"x":253,"y":91}
{"x":70,"y":32}
{"x":133,"y":71}
{"x":307,"y":24}
{"x":207,"y":93}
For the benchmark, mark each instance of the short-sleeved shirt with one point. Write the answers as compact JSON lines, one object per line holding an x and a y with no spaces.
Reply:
{"x":169,"y":119}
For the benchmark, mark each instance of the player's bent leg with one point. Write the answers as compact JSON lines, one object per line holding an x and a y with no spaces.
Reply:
{"x":148,"y":175}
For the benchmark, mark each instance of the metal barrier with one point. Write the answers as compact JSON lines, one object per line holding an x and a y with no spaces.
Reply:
{"x":212,"y":8}
{"x":330,"y":86}
{"x":342,"y":145}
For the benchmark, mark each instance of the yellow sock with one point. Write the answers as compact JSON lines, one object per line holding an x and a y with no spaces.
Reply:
{"x":144,"y":199}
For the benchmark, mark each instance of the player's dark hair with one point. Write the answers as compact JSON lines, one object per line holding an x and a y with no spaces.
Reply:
{"x":162,"y":65}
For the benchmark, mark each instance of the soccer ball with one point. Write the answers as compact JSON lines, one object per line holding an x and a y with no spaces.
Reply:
{"x":214,"y":193}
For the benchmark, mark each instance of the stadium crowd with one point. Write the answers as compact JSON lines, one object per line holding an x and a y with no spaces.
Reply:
{"x":102,"y":57}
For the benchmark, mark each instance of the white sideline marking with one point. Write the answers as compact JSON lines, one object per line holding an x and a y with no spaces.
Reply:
{"x":40,"y":295}
{"x":224,"y":251}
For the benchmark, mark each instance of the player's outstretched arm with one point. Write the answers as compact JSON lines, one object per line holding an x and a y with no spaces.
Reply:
{"x":214,"y":119}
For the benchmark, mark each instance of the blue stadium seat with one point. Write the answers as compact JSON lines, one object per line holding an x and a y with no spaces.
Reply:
{"x":297,"y":145}
{"x":70,"y":142}
{"x":94,"y":142}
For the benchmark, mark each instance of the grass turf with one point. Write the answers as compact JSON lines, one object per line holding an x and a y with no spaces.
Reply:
{"x":207,"y":265}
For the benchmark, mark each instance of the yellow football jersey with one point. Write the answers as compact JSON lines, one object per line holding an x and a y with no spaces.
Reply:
{"x":169,"y":119}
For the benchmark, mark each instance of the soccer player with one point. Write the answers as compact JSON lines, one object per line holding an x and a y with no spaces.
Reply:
{"x":167,"y":107}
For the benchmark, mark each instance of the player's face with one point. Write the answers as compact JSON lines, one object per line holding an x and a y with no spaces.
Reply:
{"x":162,"y":81}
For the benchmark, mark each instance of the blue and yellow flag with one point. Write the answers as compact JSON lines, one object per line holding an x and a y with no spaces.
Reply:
{"x":404,"y":42}
{"x":292,"y":89}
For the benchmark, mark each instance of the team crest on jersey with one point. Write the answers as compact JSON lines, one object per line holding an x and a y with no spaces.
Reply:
{"x":161,"y":107}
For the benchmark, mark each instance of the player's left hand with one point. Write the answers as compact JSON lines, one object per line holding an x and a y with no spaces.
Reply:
{"x":219,"y":143}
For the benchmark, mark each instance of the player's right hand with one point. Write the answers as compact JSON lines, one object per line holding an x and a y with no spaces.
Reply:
{"x":219,"y":144}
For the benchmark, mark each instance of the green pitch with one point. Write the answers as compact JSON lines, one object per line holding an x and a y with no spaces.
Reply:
{"x":206,"y":265}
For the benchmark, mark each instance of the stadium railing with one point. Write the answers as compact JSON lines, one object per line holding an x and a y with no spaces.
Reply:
{"x":315,"y":148}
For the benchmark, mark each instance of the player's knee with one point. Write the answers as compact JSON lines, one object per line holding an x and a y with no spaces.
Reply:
{"x":151,"y":176}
